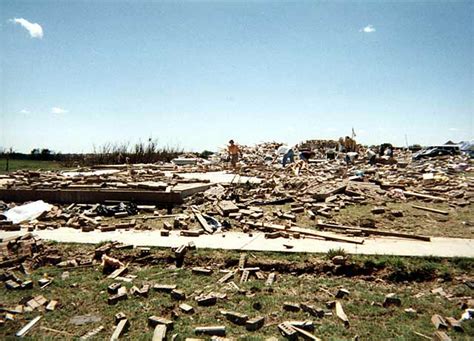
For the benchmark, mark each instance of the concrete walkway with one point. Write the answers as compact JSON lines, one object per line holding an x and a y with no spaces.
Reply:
{"x":442,"y":247}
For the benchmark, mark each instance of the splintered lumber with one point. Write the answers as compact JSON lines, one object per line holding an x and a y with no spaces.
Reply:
{"x":203,"y":222}
{"x":226,"y":277}
{"x":441,"y":336}
{"x":374,"y":231}
{"x":92,"y":333}
{"x":306,"y":335}
{"x":341,"y":314}
{"x":242,"y":260}
{"x":120,"y":329}
{"x":159,"y":334}
{"x":423,"y":196}
{"x":22,"y":332}
{"x":429,"y":209}
{"x":306,"y":232}
{"x":455,"y":324}
{"x":439,"y":322}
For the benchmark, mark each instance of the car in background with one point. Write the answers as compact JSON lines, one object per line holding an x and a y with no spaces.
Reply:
{"x":434,"y":151}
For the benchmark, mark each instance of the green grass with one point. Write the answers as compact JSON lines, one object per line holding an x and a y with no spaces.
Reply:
{"x":14,"y":165}
{"x":85,"y":292}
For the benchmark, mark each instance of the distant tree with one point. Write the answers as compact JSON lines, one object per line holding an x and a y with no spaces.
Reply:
{"x":205,"y":154}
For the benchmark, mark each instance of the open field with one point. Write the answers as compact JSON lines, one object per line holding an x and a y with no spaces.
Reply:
{"x":14,"y":165}
{"x":300,"y":278}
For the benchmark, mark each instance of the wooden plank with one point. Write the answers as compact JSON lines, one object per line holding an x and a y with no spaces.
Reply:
{"x":429,"y":209}
{"x":423,"y":196}
{"x":202,"y":221}
{"x":306,"y":335}
{"x":341,"y":314}
{"x":374,"y":231}
{"x":120,"y":329}
{"x":307,"y":232}
{"x":22,"y":332}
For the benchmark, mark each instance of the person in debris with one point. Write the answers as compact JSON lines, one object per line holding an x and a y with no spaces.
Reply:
{"x":234,"y":152}
{"x":350,"y":157}
{"x":371,"y":155}
{"x":288,"y":154}
{"x":305,"y":155}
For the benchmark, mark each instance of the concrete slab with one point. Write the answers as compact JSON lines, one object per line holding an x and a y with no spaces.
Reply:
{"x":441,"y":247}
{"x":218,"y":177}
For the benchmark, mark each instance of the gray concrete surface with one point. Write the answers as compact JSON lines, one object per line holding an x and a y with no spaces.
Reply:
{"x":442,"y":247}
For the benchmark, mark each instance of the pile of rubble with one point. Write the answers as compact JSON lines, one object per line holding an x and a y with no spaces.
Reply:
{"x":282,"y":198}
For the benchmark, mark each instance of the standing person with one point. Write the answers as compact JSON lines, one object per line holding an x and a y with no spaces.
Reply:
{"x":234,"y":152}
{"x":288,"y":154}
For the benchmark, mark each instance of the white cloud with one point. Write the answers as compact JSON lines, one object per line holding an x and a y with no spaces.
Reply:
{"x":24,"y":111}
{"x":368,"y":29}
{"x":57,"y":110}
{"x":454,"y":129}
{"x":35,"y":30}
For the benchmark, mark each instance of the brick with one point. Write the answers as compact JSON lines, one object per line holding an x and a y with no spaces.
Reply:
{"x":153,"y":321}
{"x":119,"y":317}
{"x":313,"y":311}
{"x":178,"y":295}
{"x":202,"y":271}
{"x":164,"y":287}
{"x":288,"y":306}
{"x":191,"y":233}
{"x":287,"y":331}
{"x":305,"y":325}
{"x":210,"y":330}
{"x":159,"y":334}
{"x":245,"y":276}
{"x":391,"y":299}
{"x":242,"y":260}
{"x":255,"y":323}
{"x":206,"y":301}
{"x":52,"y":305}
{"x":270,"y":279}
{"x":237,"y":318}
{"x":113,"y":288}
{"x":12,"y":285}
{"x":342,"y":293}
{"x":186,"y":308}
{"x":115,"y":298}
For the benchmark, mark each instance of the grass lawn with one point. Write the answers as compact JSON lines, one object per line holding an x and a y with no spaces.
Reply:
{"x":300,"y":278}
{"x":14,"y":165}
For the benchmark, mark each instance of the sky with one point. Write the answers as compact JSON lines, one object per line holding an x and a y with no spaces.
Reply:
{"x":78,"y":74}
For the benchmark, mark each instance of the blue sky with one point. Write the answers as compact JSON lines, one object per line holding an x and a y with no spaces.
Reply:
{"x":195,"y":74}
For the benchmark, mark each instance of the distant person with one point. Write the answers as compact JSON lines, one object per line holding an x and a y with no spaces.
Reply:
{"x":234,"y":152}
{"x":287,"y":153}
{"x":305,"y":155}
{"x":371,"y":155}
